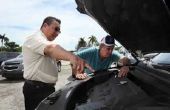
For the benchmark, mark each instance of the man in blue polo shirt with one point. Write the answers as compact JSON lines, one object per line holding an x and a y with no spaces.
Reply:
{"x":102,"y":57}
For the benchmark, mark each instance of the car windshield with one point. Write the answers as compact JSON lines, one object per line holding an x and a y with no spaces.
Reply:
{"x":162,"y":58}
{"x":161,"y":61}
{"x":20,"y":56}
{"x":8,"y":55}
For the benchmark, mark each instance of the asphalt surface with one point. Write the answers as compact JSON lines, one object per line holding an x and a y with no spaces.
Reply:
{"x":11,"y":96}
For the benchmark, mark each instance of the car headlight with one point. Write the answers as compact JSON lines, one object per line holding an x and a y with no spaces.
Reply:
{"x":2,"y":63}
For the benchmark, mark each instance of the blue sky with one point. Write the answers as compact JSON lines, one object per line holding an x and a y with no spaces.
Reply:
{"x":20,"y":18}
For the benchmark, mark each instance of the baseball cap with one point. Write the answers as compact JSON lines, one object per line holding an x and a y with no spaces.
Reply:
{"x":108,"y":41}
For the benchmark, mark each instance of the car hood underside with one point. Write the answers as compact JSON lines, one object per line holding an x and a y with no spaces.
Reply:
{"x":136,"y":24}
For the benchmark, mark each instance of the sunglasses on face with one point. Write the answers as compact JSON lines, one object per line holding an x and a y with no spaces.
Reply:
{"x":57,"y":29}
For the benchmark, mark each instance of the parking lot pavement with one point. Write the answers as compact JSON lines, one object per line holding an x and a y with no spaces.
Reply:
{"x":64,"y":76}
{"x":11,"y":90}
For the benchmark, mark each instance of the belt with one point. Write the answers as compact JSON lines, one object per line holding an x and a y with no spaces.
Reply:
{"x":39,"y":83}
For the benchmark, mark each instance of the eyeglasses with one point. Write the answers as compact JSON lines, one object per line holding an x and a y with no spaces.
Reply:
{"x":57,"y":29}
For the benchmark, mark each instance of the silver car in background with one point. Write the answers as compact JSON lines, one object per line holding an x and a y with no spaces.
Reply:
{"x":13,"y":68}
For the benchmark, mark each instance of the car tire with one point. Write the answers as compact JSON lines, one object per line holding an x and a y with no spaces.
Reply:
{"x":59,"y":66}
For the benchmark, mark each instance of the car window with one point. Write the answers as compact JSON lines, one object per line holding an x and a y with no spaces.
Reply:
{"x":2,"y":55}
{"x":162,"y":58}
{"x":20,"y":56}
{"x":8,"y":55}
{"x":12,"y":55}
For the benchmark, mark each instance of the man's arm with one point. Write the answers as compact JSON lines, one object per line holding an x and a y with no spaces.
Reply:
{"x":124,"y":69}
{"x":124,"y":61}
{"x":59,"y":53}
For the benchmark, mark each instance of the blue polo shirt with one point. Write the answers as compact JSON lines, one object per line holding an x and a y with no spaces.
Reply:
{"x":91,"y":56}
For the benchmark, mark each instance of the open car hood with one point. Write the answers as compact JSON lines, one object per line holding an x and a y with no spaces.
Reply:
{"x":136,"y":24}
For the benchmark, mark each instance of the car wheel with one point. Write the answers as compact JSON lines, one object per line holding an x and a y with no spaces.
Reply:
{"x":59,"y":66}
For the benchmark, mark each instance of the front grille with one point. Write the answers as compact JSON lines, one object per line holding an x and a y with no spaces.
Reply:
{"x":10,"y":67}
{"x":12,"y":63}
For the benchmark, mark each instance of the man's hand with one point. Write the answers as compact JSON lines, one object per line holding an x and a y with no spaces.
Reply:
{"x":81,"y":76}
{"x":123,"y":71}
{"x":79,"y":64}
{"x":57,"y":52}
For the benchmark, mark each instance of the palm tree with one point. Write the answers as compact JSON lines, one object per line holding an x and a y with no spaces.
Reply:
{"x":2,"y":40}
{"x":6,"y":40}
{"x":92,"y":41}
{"x":12,"y":46}
{"x":81,"y":43}
{"x":8,"y":46}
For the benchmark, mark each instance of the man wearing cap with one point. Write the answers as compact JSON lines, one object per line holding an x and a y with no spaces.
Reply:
{"x":102,"y":58}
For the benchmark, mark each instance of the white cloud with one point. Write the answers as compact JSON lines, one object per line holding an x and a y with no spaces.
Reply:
{"x":20,"y":18}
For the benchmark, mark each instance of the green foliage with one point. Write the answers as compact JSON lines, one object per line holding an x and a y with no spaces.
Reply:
{"x":92,"y":42}
{"x":9,"y":46}
{"x":81,"y":43}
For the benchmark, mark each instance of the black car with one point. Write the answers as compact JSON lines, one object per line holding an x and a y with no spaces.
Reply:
{"x":138,"y":25}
